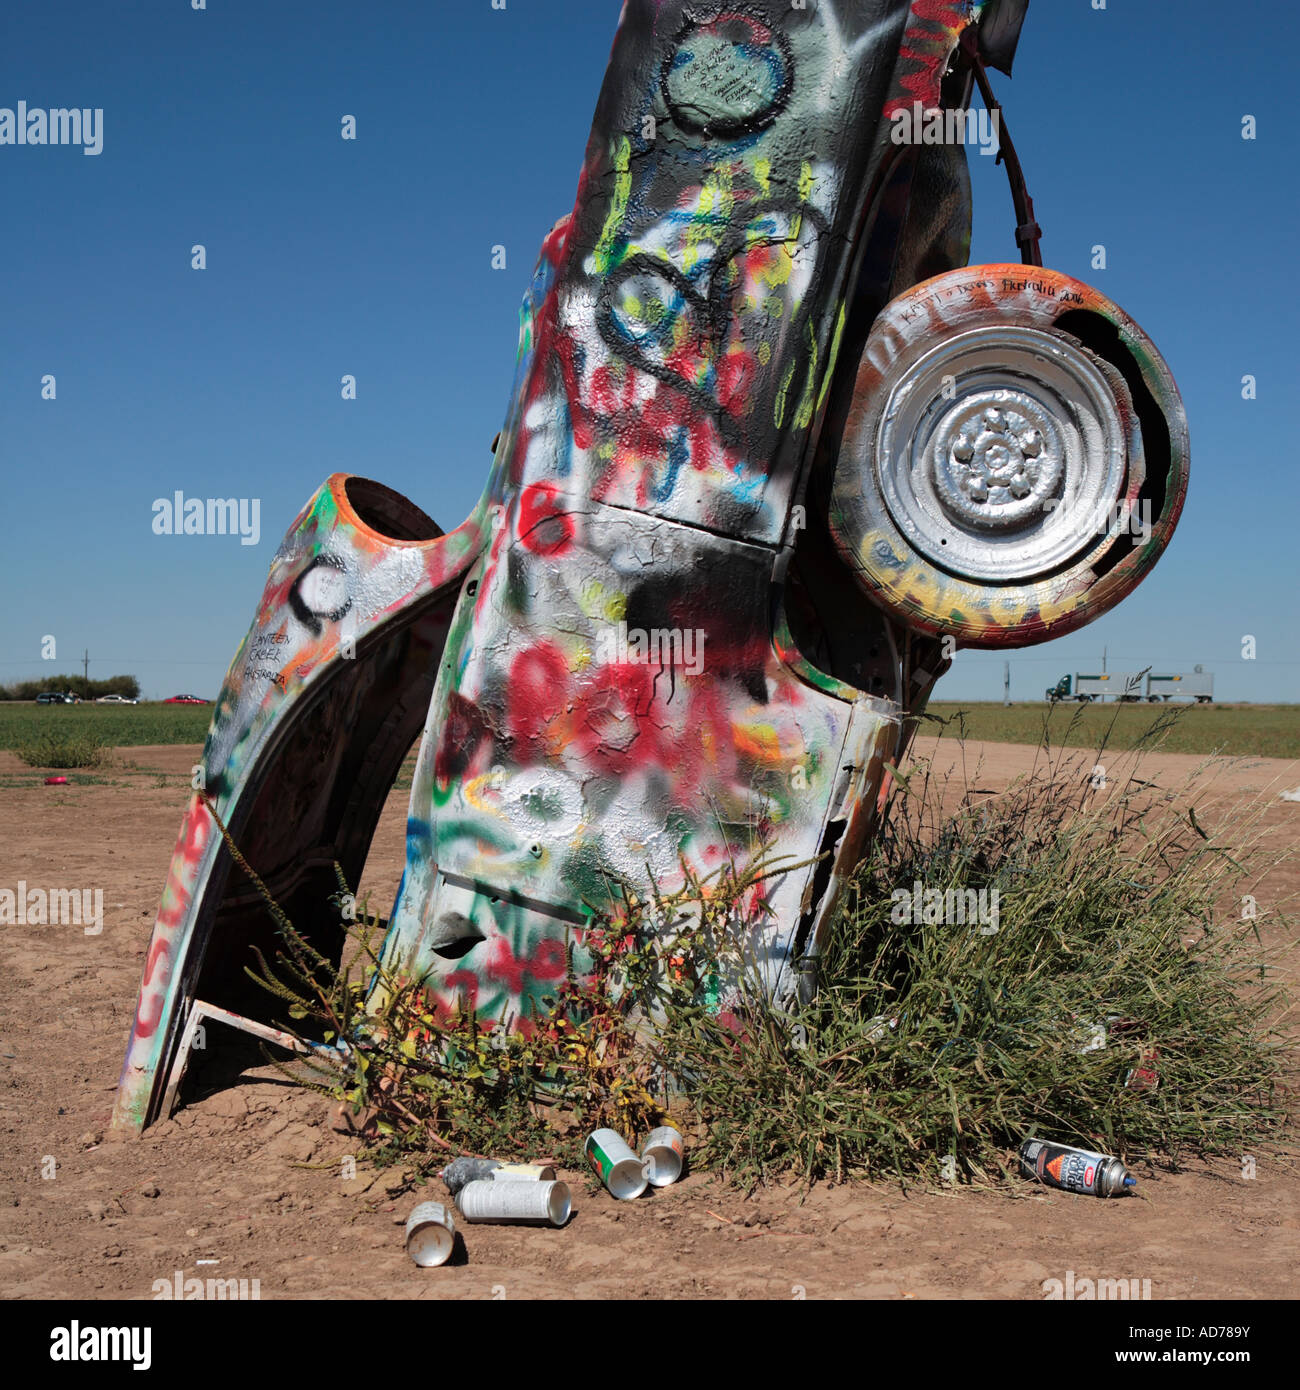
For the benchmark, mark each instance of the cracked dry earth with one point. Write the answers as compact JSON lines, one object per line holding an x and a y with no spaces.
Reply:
{"x":225,"y":1181}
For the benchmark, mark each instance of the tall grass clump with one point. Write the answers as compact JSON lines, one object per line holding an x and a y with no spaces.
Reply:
{"x":58,"y":748}
{"x":1123,"y":999}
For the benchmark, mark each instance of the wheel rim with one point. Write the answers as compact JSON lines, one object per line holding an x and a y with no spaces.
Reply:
{"x":1001,"y":455}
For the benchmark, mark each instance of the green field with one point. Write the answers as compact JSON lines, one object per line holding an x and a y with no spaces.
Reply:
{"x":119,"y":726}
{"x":1271,"y":731}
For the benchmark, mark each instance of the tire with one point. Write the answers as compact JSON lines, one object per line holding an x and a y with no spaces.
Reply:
{"x":1007,"y":422}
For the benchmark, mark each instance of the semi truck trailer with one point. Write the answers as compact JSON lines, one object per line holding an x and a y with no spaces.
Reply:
{"x":1151,"y":686}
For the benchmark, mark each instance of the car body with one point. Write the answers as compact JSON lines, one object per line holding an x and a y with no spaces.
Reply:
{"x":735,"y":528}
{"x":116,"y":700}
{"x":55,"y":697}
{"x":185,"y":700}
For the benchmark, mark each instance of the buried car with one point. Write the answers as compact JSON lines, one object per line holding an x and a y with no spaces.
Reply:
{"x":773,"y":453}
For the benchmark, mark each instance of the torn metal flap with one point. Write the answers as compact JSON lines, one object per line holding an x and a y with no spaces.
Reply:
{"x":999,"y":32}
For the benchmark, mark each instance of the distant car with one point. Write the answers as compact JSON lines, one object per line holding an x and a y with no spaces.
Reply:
{"x":54,"y":697}
{"x":115,"y":700}
{"x":185,"y":700}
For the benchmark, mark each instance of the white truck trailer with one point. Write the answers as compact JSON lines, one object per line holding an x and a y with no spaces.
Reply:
{"x":1151,"y":686}
{"x":1189,"y":685}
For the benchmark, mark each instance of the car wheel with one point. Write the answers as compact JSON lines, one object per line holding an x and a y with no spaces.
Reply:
{"x":1008,"y":426}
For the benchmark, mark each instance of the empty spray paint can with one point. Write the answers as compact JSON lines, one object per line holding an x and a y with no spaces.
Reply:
{"x":523,"y":1172}
{"x":541,"y":1203}
{"x":430,"y":1235}
{"x":663,"y":1155}
{"x":462,"y":1170}
{"x":1075,"y":1170}
{"x":620,"y":1169}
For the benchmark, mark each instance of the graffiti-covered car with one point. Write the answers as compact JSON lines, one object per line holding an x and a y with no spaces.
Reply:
{"x":773,"y":453}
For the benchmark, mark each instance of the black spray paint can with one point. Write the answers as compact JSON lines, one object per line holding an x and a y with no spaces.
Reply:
{"x":1075,"y":1170}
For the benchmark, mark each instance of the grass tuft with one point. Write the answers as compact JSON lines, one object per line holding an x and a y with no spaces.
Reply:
{"x":1122,"y":1001}
{"x":57,"y":748}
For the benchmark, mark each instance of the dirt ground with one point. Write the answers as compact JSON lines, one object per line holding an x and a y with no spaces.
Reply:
{"x":219,"y":1191}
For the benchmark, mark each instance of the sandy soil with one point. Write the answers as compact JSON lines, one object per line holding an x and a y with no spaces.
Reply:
{"x":223,"y":1181}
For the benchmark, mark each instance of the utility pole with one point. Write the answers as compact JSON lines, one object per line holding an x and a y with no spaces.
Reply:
{"x":1006,"y":683}
{"x":85,"y":665}
{"x":1103,"y":661}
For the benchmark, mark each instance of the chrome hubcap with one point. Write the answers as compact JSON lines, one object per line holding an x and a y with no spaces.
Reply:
{"x":1001,"y":453}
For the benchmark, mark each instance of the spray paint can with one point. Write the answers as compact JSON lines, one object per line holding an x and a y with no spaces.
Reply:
{"x":430,"y":1235}
{"x":537,"y":1203}
{"x":622,"y":1172}
{"x":462,"y":1170}
{"x":1075,"y":1170}
{"x":523,"y":1172}
{"x":663,"y":1156}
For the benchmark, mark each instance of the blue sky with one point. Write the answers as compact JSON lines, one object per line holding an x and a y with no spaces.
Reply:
{"x":373,"y":257}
